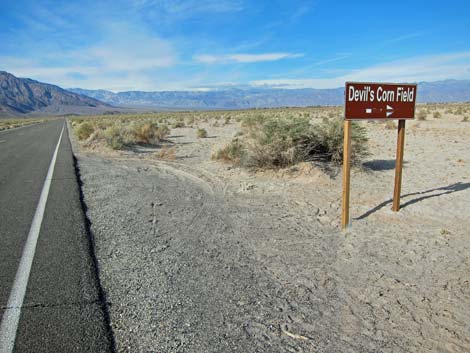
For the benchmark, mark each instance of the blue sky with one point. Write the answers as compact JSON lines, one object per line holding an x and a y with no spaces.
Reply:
{"x":203,"y":44}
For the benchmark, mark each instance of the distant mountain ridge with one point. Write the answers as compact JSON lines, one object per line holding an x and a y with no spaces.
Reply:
{"x":21,"y":96}
{"x":26,"y":97}
{"x":219,"y":99}
{"x":428,"y":92}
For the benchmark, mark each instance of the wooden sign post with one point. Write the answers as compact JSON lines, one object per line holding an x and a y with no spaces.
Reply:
{"x":379,"y":101}
{"x":346,"y":173}
{"x":399,"y":165}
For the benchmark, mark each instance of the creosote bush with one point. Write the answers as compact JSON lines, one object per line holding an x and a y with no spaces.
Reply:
{"x":269,"y":142}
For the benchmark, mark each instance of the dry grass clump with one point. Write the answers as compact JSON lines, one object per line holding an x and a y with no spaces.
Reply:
{"x":201,"y":133}
{"x":437,"y":115}
{"x":269,"y":142}
{"x":120,"y":133}
{"x":166,"y":153}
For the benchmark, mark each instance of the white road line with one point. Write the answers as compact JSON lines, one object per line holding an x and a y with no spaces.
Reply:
{"x":11,"y":316}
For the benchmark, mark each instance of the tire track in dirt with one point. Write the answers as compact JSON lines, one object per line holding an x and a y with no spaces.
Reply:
{"x":191,"y":269}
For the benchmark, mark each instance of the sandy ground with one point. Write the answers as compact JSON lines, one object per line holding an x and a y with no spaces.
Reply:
{"x":197,"y":256}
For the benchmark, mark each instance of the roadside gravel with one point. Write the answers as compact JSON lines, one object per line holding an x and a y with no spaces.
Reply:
{"x":189,"y":268}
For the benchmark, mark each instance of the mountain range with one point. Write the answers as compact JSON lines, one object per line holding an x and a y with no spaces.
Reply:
{"x":249,"y":97}
{"x":26,"y":97}
{"x":23,"y":96}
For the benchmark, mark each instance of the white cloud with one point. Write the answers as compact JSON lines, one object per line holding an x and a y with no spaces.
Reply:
{"x":404,"y":37}
{"x":121,"y":60}
{"x":244,"y":58}
{"x":427,"y":68}
{"x":132,"y":53}
{"x":110,"y":67}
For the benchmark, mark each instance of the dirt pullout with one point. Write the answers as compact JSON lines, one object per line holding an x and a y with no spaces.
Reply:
{"x":190,"y":265}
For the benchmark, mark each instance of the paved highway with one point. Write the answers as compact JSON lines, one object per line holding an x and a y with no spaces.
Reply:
{"x":62,"y":309}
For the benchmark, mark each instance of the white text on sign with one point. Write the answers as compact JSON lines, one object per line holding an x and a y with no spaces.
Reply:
{"x":367,"y":94}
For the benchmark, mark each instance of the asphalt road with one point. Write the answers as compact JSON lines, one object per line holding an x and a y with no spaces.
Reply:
{"x":62,"y":310}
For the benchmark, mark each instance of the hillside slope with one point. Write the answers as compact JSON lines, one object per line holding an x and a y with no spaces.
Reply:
{"x":23,"y":96}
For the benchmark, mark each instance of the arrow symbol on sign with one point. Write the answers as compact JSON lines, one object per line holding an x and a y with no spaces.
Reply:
{"x":389,"y":110}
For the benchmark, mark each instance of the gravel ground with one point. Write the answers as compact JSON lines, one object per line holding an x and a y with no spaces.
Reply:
{"x":198,"y":257}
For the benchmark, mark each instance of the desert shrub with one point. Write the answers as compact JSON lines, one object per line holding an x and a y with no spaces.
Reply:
{"x":144,"y":133}
{"x":114,"y":137}
{"x":233,"y":152}
{"x":162,"y":132}
{"x":466,"y":119}
{"x":227,"y":120}
{"x":281,"y":142}
{"x":437,"y":115}
{"x":329,"y":141}
{"x":147,"y":133}
{"x":201,"y":133}
{"x":84,"y":130}
{"x":422,"y":115}
{"x":178,"y":124}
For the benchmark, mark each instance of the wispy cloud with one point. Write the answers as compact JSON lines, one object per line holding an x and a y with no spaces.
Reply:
{"x":179,"y":9}
{"x":424,"y":68}
{"x":244,"y":58}
{"x":404,"y":37}
{"x":301,"y":11}
{"x":291,"y":17}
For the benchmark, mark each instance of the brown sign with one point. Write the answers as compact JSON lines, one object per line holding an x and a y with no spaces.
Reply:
{"x":365,"y":100}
